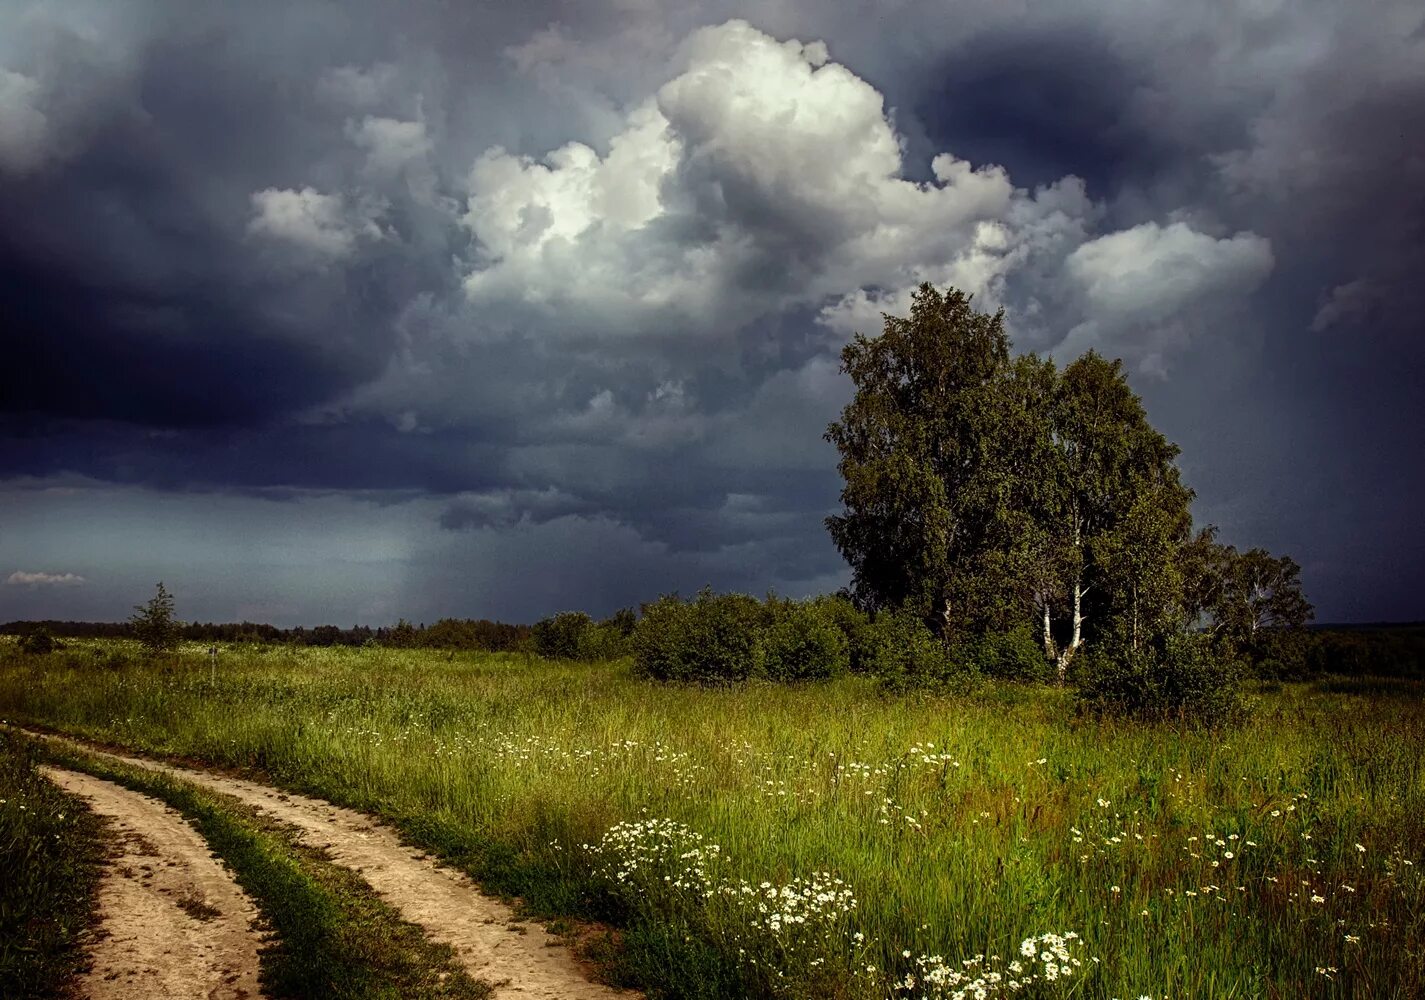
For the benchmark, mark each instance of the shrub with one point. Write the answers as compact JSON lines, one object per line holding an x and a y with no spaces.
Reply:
{"x":1182,"y":679}
{"x":905,"y":654}
{"x":563,"y":636}
{"x":1281,"y":655}
{"x":714,"y":639}
{"x":39,"y":642}
{"x":854,"y":626}
{"x":802,"y":642}
{"x":1015,"y":655}
{"x":603,"y":641}
{"x":402,"y":635}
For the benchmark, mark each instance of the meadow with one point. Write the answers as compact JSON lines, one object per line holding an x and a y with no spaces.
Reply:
{"x":830,"y":839}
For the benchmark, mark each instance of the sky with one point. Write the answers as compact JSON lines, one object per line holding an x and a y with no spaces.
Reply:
{"x":348,"y":311}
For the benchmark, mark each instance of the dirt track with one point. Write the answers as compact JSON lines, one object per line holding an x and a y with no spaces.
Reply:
{"x":173,"y":923}
{"x":520,"y":960}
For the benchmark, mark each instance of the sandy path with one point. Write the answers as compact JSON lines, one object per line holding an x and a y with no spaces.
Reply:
{"x":173,"y":923}
{"x":521,"y":960}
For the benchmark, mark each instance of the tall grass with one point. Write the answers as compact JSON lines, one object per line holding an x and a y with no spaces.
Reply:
{"x":50,"y":857}
{"x":1282,"y":859}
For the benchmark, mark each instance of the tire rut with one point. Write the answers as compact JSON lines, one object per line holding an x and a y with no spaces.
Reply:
{"x":172,"y":922}
{"x":520,"y":960}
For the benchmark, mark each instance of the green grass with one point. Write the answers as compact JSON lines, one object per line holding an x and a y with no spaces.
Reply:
{"x":50,"y":860}
{"x":334,"y":938}
{"x":1021,"y":819}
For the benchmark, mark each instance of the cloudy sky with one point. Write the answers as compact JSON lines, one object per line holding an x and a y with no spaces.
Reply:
{"x":334,"y":312}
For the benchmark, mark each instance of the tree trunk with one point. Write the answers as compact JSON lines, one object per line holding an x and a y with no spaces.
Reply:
{"x":1077,"y":638}
{"x":1135,"y":617}
{"x":1050,"y":653}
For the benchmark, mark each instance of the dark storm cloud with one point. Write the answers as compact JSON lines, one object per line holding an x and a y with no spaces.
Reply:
{"x":131,"y":289}
{"x":1043,"y":102}
{"x":291,"y":250}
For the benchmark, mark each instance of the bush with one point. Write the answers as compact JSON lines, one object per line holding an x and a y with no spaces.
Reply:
{"x":1015,"y":655}
{"x":802,"y":642}
{"x":713,"y":639}
{"x":854,"y":626}
{"x":1281,"y":655}
{"x":604,"y":641}
{"x":39,"y":642}
{"x":1183,"y":679}
{"x":563,"y":636}
{"x":905,"y":654}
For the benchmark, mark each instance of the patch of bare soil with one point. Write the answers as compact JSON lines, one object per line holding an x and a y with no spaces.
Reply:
{"x":521,"y":960}
{"x":172,"y":922}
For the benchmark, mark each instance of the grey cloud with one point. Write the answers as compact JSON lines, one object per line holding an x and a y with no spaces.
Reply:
{"x":619,"y":329}
{"x":503,"y":508}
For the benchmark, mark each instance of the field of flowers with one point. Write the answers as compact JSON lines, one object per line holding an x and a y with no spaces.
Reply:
{"x":828,"y":839}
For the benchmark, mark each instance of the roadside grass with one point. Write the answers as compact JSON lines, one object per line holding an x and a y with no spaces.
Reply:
{"x":1281,"y":859}
{"x":51,"y":858}
{"x":333,"y":937}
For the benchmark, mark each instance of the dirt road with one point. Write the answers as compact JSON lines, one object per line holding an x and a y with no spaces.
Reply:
{"x":520,"y":960}
{"x":173,"y":923}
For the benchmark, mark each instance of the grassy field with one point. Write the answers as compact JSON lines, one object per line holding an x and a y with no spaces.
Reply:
{"x":830,"y":840}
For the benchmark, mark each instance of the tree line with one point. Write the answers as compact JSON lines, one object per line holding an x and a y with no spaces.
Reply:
{"x":448,"y":633}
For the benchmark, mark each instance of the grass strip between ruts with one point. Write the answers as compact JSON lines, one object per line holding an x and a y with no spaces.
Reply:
{"x":333,"y":936}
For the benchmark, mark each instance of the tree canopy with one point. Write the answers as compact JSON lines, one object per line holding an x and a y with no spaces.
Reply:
{"x":985,"y":492}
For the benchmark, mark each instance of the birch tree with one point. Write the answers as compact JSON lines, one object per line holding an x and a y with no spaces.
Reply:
{"x":984,"y":492}
{"x":919,"y":490}
{"x":1118,"y":510}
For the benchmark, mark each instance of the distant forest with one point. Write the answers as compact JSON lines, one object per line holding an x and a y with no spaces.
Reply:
{"x":1376,"y":649}
{"x":448,"y":633}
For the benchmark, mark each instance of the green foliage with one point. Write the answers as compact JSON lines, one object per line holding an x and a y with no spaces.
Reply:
{"x":906,"y":654}
{"x":562,"y":636}
{"x":919,"y":487}
{"x":402,"y":635}
{"x":1251,"y":602}
{"x":1282,"y":654}
{"x":1013,"y":655}
{"x":153,"y":624}
{"x":39,"y":642}
{"x":622,"y":622}
{"x":802,"y":641}
{"x":1117,"y":511}
{"x":854,"y":626}
{"x":713,"y":639}
{"x":51,"y":854}
{"x":982,"y":492}
{"x":573,"y":635}
{"x":1182,"y":679}
{"x":1362,"y":652}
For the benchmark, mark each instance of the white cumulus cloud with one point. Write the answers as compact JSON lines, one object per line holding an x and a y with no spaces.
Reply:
{"x":766,"y":176}
{"x":1137,"y":284}
{"x":390,"y":143}
{"x":24,"y":128}
{"x":22,"y":578}
{"x":326,"y":225}
{"x":763,"y":175}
